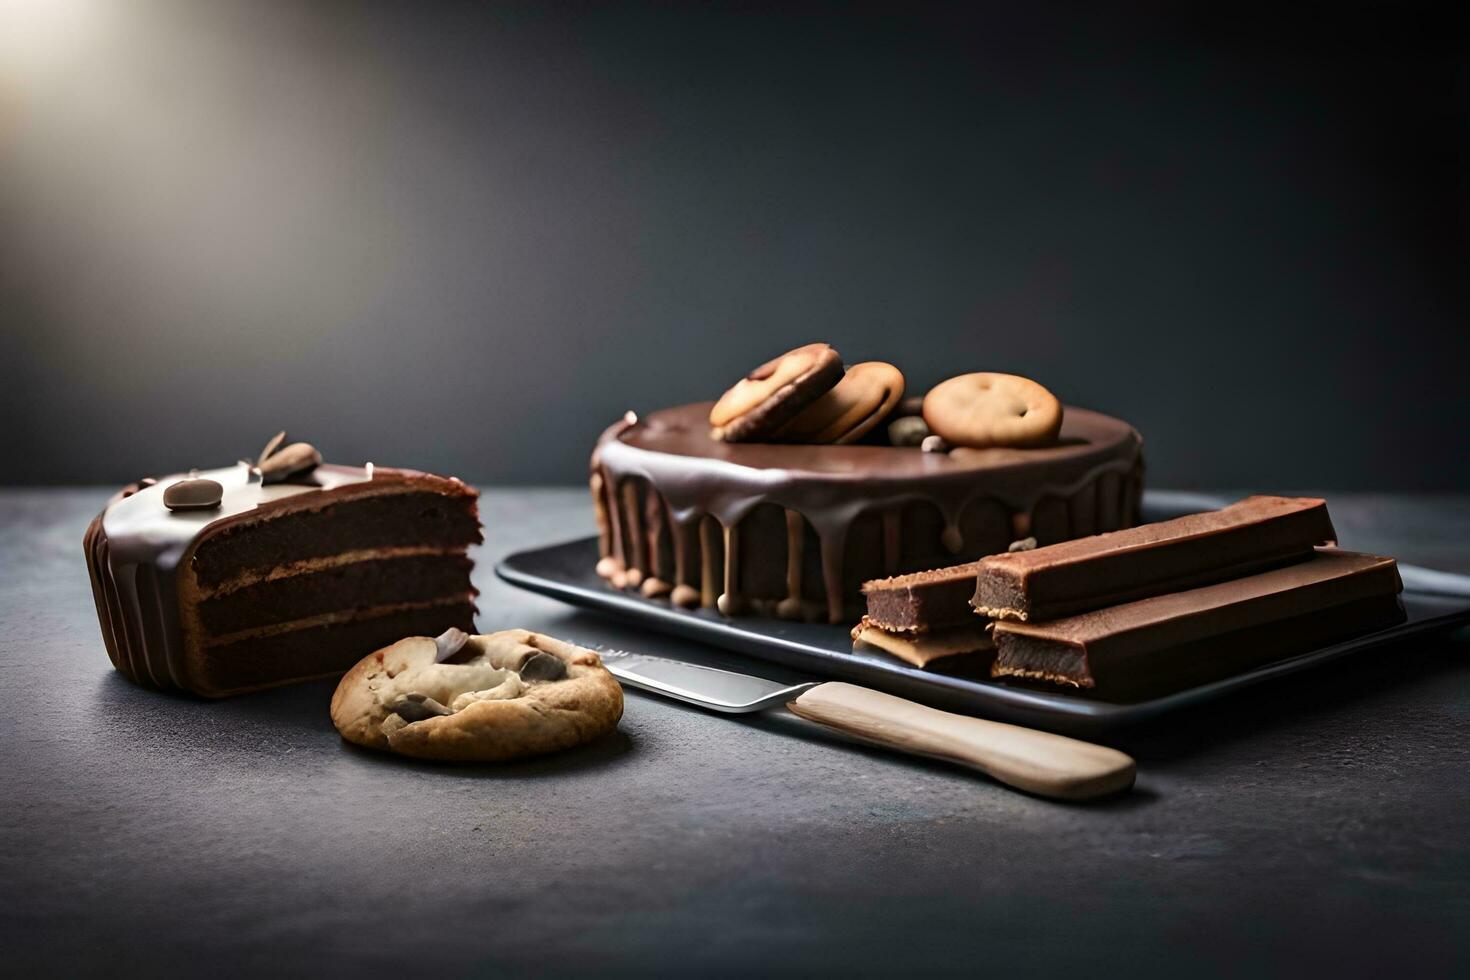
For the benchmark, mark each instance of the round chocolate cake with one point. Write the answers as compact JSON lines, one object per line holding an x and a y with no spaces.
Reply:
{"x":794,"y":530}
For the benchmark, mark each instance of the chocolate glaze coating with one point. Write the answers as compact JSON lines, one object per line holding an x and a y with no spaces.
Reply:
{"x":795,"y":529}
{"x":148,"y":593}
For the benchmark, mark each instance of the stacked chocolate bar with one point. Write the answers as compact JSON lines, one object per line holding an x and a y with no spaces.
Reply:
{"x":924,"y":616}
{"x":1143,"y":611}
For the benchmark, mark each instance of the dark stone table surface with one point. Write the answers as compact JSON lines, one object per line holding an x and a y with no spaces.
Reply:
{"x":1320,"y":826}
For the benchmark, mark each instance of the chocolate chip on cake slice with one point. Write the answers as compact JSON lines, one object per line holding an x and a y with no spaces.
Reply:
{"x":774,"y":393}
{"x":193,"y":495}
{"x":275,"y":443}
{"x":289,"y":461}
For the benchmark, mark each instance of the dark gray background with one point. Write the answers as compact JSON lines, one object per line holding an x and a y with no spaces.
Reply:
{"x":465,"y":237}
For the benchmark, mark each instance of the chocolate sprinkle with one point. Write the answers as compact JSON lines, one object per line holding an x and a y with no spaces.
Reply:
{"x":299,"y":457}
{"x":193,"y":495}
{"x":271,"y":447}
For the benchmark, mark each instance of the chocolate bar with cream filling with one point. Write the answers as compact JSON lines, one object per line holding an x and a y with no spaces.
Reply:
{"x":1182,"y":639}
{"x":1121,"y":566}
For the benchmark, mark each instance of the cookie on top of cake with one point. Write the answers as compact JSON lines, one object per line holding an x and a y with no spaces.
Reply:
{"x":805,"y":480}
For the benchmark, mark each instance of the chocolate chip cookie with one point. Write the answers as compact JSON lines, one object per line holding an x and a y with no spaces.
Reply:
{"x":486,"y":698}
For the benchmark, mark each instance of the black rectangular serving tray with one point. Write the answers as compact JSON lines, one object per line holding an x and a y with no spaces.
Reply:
{"x":566,"y":572}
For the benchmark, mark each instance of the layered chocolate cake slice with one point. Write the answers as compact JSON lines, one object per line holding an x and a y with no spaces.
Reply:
{"x":223,"y":581}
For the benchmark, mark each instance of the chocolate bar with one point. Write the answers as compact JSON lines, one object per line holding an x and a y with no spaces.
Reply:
{"x":922,"y":601}
{"x":1121,"y":566}
{"x":1182,"y":639}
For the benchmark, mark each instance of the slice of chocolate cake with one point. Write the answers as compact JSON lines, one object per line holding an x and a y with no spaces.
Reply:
{"x":277,"y":582}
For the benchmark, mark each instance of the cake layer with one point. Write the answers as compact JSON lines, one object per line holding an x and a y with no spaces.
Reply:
{"x":1108,"y":569}
{"x":795,"y":530}
{"x":1170,"y":641}
{"x":412,"y":578}
{"x":320,"y":651}
{"x":378,"y":521}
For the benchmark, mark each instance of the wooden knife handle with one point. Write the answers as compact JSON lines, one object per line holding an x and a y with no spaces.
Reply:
{"x":1037,"y":762}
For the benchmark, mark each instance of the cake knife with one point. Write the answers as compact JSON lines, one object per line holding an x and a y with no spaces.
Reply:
{"x":1035,"y":761}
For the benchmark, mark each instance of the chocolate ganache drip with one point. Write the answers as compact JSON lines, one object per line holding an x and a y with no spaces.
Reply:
{"x":793,"y":530}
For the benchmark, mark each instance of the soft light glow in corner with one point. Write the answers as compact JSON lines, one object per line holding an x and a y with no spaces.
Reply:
{"x":38,"y":36}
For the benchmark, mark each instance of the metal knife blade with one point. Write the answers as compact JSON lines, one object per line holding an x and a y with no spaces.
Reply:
{"x":708,"y":687}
